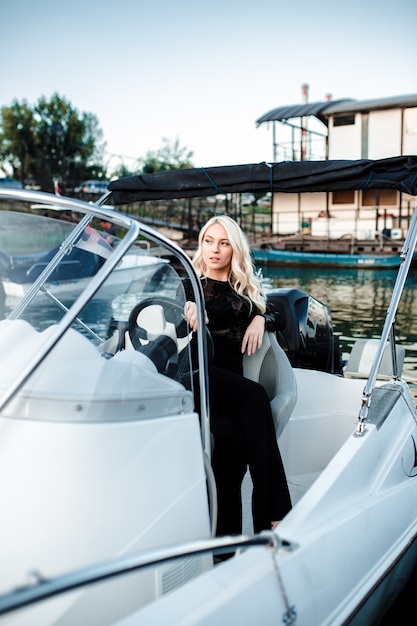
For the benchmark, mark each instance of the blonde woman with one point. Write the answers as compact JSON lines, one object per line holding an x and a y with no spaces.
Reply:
{"x":241,"y":418}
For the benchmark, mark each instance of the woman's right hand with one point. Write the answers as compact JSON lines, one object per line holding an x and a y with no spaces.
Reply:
{"x":190,"y":314}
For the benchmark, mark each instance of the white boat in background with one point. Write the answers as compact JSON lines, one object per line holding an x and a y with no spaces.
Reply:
{"x":18,"y":270}
{"x":108,"y":498}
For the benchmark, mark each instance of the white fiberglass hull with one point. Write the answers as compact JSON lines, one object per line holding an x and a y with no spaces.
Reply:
{"x":78,"y":460}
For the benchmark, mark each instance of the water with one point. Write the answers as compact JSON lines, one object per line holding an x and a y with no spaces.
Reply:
{"x":358,"y":300}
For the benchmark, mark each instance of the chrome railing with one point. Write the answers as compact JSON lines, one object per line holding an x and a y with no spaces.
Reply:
{"x":388,"y":334}
{"x":43,"y":589}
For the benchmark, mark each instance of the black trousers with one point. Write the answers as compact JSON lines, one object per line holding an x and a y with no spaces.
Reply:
{"x":244,"y":435}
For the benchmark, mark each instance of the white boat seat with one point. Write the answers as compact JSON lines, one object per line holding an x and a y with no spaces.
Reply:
{"x":362,"y":357}
{"x":271,"y":367}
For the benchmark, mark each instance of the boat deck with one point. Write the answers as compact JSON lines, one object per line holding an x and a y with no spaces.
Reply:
{"x":298,"y":486}
{"x":297,"y":490}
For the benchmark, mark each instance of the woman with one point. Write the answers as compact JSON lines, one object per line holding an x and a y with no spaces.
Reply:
{"x":241,"y":418}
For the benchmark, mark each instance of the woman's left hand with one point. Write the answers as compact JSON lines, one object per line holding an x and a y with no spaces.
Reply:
{"x":252,"y":339}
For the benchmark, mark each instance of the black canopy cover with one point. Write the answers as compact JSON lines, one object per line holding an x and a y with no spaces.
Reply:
{"x":297,"y":176}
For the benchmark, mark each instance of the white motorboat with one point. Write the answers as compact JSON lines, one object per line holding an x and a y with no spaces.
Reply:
{"x":108,"y":498}
{"x":18,"y":269}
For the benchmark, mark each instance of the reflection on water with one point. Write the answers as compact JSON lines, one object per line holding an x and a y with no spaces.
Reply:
{"x":358,"y":300}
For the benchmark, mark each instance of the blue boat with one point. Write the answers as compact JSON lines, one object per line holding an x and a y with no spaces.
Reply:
{"x":326,"y":259}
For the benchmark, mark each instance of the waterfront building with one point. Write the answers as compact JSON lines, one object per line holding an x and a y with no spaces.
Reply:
{"x":343,"y":129}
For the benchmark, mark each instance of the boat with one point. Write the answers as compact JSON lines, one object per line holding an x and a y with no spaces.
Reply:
{"x":268,"y":256}
{"x":20,"y":267}
{"x":313,"y":251}
{"x":108,"y":497}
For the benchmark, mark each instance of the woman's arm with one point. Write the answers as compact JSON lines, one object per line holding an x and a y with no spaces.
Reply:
{"x":252,"y":339}
{"x":270,"y":320}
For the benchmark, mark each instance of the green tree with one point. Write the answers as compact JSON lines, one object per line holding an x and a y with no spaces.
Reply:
{"x":50,"y":142}
{"x":17,"y":139}
{"x":171,"y":156}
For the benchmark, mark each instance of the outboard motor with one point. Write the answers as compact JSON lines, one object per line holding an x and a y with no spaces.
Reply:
{"x":307,"y":334}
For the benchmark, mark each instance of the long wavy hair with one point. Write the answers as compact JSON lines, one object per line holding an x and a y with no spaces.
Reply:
{"x":242,"y":275}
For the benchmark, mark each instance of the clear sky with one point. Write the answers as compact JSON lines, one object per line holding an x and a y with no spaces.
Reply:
{"x":202,"y":72}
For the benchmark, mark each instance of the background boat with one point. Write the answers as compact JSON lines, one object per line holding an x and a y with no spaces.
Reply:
{"x":325,"y":259}
{"x":346,"y":252}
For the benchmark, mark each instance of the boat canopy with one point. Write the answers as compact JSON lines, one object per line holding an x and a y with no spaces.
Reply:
{"x":398,"y":172}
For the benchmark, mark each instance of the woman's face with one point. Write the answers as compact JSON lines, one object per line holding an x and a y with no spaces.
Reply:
{"x":217,"y":252}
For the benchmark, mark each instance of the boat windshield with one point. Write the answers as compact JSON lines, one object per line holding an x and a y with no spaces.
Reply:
{"x":83,"y":288}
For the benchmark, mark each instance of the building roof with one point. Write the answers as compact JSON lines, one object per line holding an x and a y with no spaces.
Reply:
{"x":323,"y":110}
{"x":353,"y":106}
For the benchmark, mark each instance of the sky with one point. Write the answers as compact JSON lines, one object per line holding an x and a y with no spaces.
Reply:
{"x":202,"y":73}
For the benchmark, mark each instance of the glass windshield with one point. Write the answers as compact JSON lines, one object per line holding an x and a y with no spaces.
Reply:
{"x":79,"y":286}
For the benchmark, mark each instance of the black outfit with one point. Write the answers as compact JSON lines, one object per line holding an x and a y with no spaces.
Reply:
{"x":241,"y":419}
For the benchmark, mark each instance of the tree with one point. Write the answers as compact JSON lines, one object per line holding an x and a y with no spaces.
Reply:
{"x":50,"y":142}
{"x":17,"y":139}
{"x":170,"y":157}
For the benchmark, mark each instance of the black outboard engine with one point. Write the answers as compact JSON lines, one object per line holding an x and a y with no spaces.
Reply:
{"x":307,"y":336}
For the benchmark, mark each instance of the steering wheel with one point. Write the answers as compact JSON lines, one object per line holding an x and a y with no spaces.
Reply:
{"x":166,"y":317}
{"x":157,"y":328}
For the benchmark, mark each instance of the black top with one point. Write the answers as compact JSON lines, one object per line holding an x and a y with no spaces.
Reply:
{"x":229,"y":316}
{"x":288,"y":176}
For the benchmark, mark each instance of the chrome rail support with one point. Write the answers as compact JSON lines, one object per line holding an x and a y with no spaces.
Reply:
{"x":406,"y":255}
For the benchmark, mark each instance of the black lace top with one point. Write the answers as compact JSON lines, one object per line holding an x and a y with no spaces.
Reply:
{"x":229,"y":316}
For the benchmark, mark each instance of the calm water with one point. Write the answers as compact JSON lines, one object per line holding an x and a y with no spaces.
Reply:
{"x":358,"y":300}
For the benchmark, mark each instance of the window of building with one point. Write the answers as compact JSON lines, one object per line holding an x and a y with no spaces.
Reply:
{"x":343,"y":197}
{"x":379,"y":197}
{"x":343,"y":120}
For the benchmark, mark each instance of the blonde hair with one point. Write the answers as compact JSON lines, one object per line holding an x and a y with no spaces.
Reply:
{"x":242,"y":276}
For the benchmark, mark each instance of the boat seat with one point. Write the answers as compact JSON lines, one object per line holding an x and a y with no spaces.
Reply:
{"x":271,"y":367}
{"x":362,"y":357}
